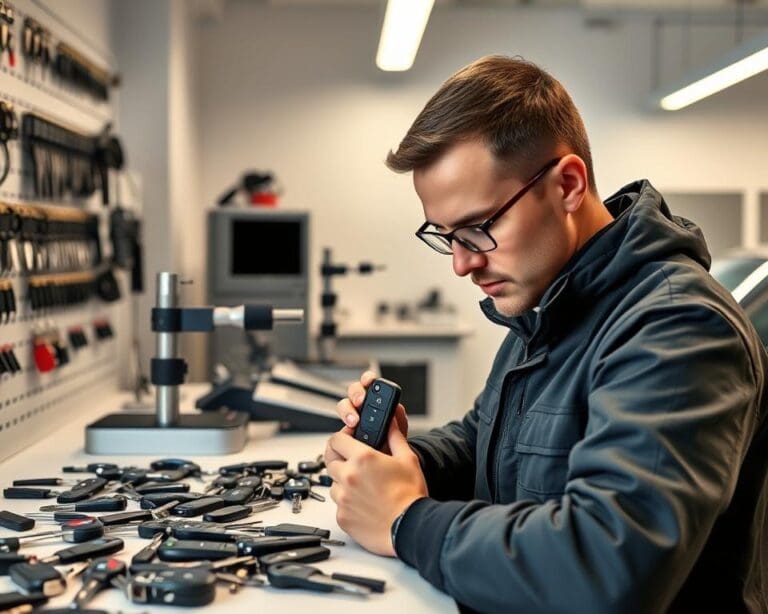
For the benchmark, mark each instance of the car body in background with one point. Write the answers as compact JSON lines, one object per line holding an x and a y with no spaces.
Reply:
{"x":745,"y":274}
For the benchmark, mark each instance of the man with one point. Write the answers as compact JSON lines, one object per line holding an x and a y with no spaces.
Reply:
{"x":615,"y":460}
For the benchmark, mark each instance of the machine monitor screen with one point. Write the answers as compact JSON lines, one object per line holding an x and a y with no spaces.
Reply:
{"x":263,"y":247}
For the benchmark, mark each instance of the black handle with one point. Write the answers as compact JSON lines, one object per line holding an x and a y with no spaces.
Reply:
{"x":88,"y":550}
{"x":27,"y":493}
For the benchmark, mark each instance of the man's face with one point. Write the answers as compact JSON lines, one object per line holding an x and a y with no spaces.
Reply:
{"x":535,"y":238}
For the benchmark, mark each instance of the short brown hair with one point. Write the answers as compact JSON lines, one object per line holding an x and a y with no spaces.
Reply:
{"x":519,"y":111}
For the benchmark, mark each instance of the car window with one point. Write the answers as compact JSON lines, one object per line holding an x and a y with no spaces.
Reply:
{"x":732,"y":271}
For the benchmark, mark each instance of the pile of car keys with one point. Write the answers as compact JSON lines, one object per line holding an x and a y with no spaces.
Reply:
{"x":185,"y":558}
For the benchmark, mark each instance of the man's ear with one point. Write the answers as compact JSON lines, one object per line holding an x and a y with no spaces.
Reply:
{"x":573,"y":181}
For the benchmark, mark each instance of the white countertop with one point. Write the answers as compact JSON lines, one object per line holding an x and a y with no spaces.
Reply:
{"x":406,"y":590}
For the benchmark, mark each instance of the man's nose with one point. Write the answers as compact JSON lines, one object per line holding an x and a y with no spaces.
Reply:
{"x":465,"y":261}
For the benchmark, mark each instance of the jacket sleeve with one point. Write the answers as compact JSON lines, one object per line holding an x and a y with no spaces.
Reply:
{"x":447,"y":456}
{"x":672,"y":405}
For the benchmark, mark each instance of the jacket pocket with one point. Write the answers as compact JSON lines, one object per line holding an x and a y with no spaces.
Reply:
{"x":488,"y":404}
{"x":546,"y":438}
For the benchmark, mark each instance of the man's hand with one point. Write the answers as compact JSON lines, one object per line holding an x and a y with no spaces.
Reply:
{"x":372,"y":488}
{"x":348,"y":412}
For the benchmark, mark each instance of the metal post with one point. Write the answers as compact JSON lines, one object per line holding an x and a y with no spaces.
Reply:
{"x":167,"y":405}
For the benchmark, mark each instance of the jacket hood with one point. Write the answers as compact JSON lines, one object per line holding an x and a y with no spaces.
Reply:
{"x":643,"y":231}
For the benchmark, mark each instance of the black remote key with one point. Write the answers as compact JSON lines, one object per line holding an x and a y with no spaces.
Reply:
{"x":15,"y":599}
{"x":14,"y":522}
{"x":82,"y":490}
{"x":287,"y":529}
{"x":228,"y":514}
{"x":89,"y":550}
{"x":157,"y":499}
{"x":259,"y":546}
{"x":199,"y":507}
{"x":301,"y":555}
{"x":238,"y":496}
{"x":11,"y":558}
{"x":177,"y":587}
{"x":28,"y":493}
{"x":162,"y":487}
{"x":38,"y":578}
{"x":186,"y":550}
{"x":377,"y":412}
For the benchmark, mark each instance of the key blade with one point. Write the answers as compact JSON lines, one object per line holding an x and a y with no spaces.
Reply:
{"x":340,"y":586}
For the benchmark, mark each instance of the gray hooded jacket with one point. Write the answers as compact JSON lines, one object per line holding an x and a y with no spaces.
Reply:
{"x":615,"y":460}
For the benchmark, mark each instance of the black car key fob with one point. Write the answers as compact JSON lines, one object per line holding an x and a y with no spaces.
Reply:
{"x":199,"y":507}
{"x":156,"y":499}
{"x":12,"y":521}
{"x":377,"y":412}
{"x":189,"y":550}
{"x":178,"y":587}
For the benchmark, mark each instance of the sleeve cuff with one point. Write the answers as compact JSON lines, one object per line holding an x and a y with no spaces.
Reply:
{"x":421,"y":533}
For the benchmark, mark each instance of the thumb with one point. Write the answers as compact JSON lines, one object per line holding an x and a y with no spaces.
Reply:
{"x":398,"y":444}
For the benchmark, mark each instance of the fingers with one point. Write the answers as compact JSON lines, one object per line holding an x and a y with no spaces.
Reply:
{"x":347,"y":446}
{"x":401,"y":419}
{"x":398,"y":444}
{"x":347,"y":412}
{"x":347,"y":408}
{"x":330,"y":454}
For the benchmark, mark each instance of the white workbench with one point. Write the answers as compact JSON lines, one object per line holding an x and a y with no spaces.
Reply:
{"x":406,"y":590}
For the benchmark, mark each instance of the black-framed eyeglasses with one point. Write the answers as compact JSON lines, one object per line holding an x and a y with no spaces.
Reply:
{"x":476,"y":237}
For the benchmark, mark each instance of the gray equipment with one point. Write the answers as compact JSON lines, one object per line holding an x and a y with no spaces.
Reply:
{"x":262,"y":257}
{"x":169,"y":430}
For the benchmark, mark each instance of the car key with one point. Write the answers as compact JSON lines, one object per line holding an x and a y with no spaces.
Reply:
{"x":199,"y":507}
{"x":88,"y":550}
{"x":156,"y":499}
{"x":59,"y":517}
{"x":377,"y":411}
{"x":192,"y":469}
{"x":183,"y":550}
{"x":99,"y":504}
{"x":258,"y":546}
{"x":97,"y":577}
{"x":250,"y":481}
{"x":45,"y":482}
{"x":109,"y":471}
{"x":238,"y":496}
{"x":148,"y":553}
{"x":43,"y":578}
{"x":177,"y":587}
{"x":294,"y":575}
{"x":300,"y":555}
{"x":15,"y":599}
{"x":139,"y":515}
{"x":82,"y":490}
{"x":11,"y":558}
{"x":222,"y":482}
{"x":310,"y":467}
{"x":257,"y":467}
{"x":238,"y":512}
{"x":15,"y":522}
{"x":161,"y":487}
{"x":297,"y":489}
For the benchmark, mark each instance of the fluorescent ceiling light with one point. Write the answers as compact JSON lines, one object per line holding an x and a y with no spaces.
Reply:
{"x":404,"y":23}
{"x":737,"y":65}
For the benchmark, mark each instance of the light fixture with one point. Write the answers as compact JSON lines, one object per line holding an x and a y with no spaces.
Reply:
{"x":737,"y":65}
{"x":404,"y":23}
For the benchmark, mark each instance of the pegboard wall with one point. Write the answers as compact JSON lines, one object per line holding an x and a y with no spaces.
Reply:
{"x":60,"y":340}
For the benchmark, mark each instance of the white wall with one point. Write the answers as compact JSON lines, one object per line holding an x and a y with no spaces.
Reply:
{"x":159,"y":127}
{"x":295,"y":90}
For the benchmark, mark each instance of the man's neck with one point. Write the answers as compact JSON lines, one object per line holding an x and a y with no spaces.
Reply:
{"x":593,"y":217}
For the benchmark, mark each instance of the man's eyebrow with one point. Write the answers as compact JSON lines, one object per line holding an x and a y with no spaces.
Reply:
{"x":465,"y":220}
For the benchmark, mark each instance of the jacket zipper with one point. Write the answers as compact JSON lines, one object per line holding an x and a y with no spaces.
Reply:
{"x":503,"y":427}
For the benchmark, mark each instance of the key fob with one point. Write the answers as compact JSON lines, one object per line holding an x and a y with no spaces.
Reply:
{"x":7,"y":559}
{"x":162,"y":487}
{"x":82,"y":490}
{"x":179,"y":587}
{"x":198,"y":507}
{"x":12,"y":521}
{"x":377,"y":412}
{"x":188,"y":550}
{"x":197,"y":533}
{"x":288,"y":529}
{"x":238,"y":496}
{"x":228,"y":514}
{"x":300,"y":555}
{"x":258,"y":546}
{"x":157,"y":499}
{"x":38,"y":578}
